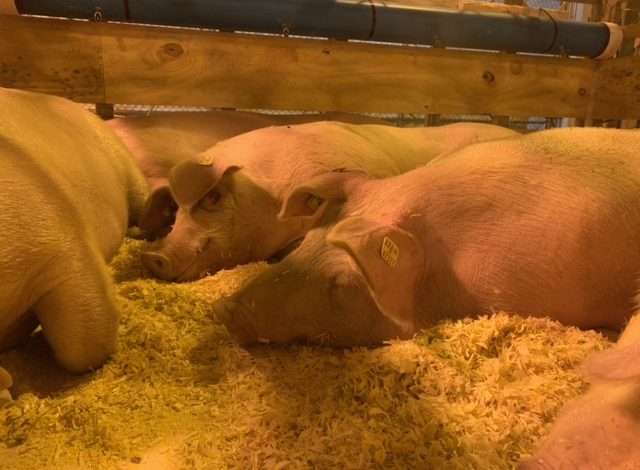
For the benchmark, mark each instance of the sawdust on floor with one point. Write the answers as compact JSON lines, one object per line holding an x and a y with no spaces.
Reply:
{"x":179,"y":394}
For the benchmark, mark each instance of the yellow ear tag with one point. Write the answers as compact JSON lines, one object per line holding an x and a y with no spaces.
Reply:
{"x":389,"y":251}
{"x":205,"y":160}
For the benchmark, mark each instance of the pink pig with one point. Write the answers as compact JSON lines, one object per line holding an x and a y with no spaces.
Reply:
{"x":161,"y":140}
{"x":600,"y":429}
{"x":545,"y":224}
{"x":229,"y":198}
{"x":68,"y":189}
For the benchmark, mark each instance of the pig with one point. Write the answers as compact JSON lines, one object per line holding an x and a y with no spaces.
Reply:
{"x":160,"y":140}
{"x":69,"y":189}
{"x":599,"y":430}
{"x":229,"y":196}
{"x":545,"y":224}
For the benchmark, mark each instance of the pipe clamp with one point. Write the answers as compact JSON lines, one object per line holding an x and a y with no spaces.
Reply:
{"x":615,"y":40}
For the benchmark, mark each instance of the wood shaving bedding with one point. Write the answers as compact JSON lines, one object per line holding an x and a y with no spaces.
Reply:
{"x":180,"y":394}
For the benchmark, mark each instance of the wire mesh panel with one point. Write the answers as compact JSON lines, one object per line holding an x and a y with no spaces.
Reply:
{"x":551,"y":4}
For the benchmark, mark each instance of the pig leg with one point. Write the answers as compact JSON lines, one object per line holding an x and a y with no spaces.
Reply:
{"x":79,"y":316}
{"x":600,"y":429}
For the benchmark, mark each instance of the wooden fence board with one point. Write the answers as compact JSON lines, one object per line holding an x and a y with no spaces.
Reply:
{"x":61,"y":57}
{"x":137,"y":64}
{"x":617,"y":94}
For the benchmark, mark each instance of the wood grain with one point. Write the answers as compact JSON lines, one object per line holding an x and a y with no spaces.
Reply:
{"x":136,"y":64}
{"x":617,"y":94}
{"x":159,"y":65}
{"x":61,"y":57}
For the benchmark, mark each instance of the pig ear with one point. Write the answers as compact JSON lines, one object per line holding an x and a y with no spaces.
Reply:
{"x":159,"y":209}
{"x":391,"y":260}
{"x":190,"y":180}
{"x":303,"y":204}
{"x":310,"y":200}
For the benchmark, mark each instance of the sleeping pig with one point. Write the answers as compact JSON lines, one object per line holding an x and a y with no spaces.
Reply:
{"x":229,"y":197}
{"x":545,"y":224}
{"x":69,"y":189}
{"x":161,"y":140}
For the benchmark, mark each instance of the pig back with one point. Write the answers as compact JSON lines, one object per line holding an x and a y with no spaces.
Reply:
{"x":545,"y":224}
{"x":398,"y":150}
{"x":65,"y":175}
{"x":161,"y":140}
{"x":281,"y":157}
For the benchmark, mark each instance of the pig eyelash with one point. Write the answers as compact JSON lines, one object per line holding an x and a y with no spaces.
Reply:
{"x":209,"y":201}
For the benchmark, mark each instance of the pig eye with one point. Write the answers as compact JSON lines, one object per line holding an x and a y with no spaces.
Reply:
{"x":313,"y":202}
{"x":208,"y":203}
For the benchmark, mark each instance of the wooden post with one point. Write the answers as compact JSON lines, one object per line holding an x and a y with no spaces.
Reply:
{"x":104,"y":110}
{"x":431,"y":120}
{"x":500,"y":120}
{"x":629,"y":15}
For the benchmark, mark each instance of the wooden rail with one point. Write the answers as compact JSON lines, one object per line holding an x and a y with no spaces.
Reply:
{"x":137,"y":64}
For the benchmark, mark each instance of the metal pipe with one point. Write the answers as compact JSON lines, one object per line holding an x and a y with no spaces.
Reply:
{"x":357,"y":19}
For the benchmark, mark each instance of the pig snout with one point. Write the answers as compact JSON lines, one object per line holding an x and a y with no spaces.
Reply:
{"x":231,"y":313}
{"x":159,"y":264}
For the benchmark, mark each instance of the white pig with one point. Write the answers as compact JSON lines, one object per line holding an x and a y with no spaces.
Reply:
{"x":160,"y":140}
{"x":600,"y":430}
{"x":546,"y":224}
{"x":68,"y":189}
{"x":229,"y":198}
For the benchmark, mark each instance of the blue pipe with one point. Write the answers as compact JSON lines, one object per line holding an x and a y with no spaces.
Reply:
{"x":366,"y":20}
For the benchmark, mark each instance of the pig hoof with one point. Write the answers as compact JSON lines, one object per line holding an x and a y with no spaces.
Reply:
{"x":5,"y":382}
{"x":5,"y":398}
{"x":5,"y":379}
{"x":226,"y":311}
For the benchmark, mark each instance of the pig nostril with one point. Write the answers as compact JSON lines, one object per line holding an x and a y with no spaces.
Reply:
{"x":159,"y":264}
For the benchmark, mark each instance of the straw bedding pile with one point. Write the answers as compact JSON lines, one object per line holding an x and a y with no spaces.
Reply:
{"x":180,"y":394}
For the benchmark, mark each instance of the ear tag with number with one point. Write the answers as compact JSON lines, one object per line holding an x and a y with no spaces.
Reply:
{"x":389,"y":251}
{"x":205,"y":160}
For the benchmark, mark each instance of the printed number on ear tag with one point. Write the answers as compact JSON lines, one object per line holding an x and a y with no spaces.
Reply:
{"x":389,"y":251}
{"x":205,"y":160}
